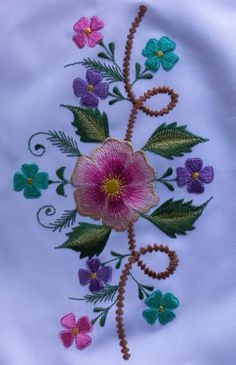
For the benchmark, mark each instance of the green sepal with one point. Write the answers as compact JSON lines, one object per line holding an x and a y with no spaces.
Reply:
{"x":91,"y":124}
{"x":88,"y":239}
{"x":172,"y":140}
{"x":60,"y":173}
{"x":176,"y":217}
{"x":60,"y":190}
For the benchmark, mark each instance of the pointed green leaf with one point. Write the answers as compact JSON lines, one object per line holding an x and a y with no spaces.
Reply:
{"x":137,"y":70}
{"x":140,"y":292}
{"x":176,"y":217}
{"x":88,"y":239}
{"x":147,"y":76}
{"x":60,"y":190}
{"x":117,"y":91}
{"x":103,"y":319}
{"x":91,"y":124}
{"x":113,"y":101}
{"x":98,"y":309}
{"x":168,"y":172}
{"x":169,"y":185}
{"x":103,"y":55}
{"x":172,"y":140}
{"x":112,"y":47}
{"x":60,"y":173}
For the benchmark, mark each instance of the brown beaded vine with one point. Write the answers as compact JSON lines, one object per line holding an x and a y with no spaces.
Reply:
{"x":138,"y":103}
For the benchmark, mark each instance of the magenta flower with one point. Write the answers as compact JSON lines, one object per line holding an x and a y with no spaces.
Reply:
{"x":87,"y":31}
{"x":90,"y":90}
{"x":96,"y":275}
{"x":115,"y":184}
{"x":76,"y":331}
{"x":194,"y":175}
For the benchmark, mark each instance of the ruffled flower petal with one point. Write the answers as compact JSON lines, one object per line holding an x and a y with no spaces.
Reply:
{"x":169,"y":301}
{"x":138,"y":171}
{"x":19,"y":181}
{"x":96,"y":23}
{"x":81,"y":25}
{"x":166,"y":44}
{"x":67,"y":338}
{"x":84,"y":276}
{"x":93,"y":78}
{"x":183,"y":176}
{"x":150,"y":315}
{"x":93,"y":264}
{"x":84,"y":324}
{"x":105,"y":274}
{"x":94,"y":38}
{"x":140,"y":197}
{"x":166,"y":317}
{"x":90,"y":201}
{"x":151,"y":48}
{"x":29,"y":170}
{"x":169,"y":60}
{"x":195,"y":186}
{"x":89,"y":100}
{"x":207,"y":174}
{"x":41,"y":180}
{"x":153,"y":63}
{"x":80,"y":87}
{"x":194,"y":164}
{"x":80,"y":40}
{"x":154,"y":300}
{"x":31,"y":192}
{"x":86,"y":173}
{"x":82,"y":341}
{"x":68,"y":321}
{"x":101,"y":90}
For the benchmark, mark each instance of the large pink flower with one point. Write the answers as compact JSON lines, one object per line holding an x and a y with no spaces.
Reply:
{"x":76,"y":331}
{"x":115,"y":184}
{"x":87,"y":31}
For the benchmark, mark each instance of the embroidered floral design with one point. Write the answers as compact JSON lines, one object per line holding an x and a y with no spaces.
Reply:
{"x":160,"y":53}
{"x":90,"y":90}
{"x":115,"y":184}
{"x":76,"y":331}
{"x":96,"y":275}
{"x":160,"y":307}
{"x":194,"y":175}
{"x":30,"y":180}
{"x":87,"y":31}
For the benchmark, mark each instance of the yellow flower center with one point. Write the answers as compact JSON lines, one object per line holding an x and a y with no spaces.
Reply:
{"x":160,"y":54}
{"x":30,"y":181}
{"x":161,"y":309}
{"x":75,"y":331}
{"x":112,"y":186}
{"x":93,"y":275}
{"x":195,"y":175}
{"x":90,"y":88}
{"x":88,"y":31}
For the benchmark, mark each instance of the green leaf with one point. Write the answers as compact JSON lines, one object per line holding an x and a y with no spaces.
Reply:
{"x":112,"y":47}
{"x":88,"y":239}
{"x":168,"y":185}
{"x":60,"y":190}
{"x":104,"y":295}
{"x":98,"y":309}
{"x":140,"y":292}
{"x":65,"y":143}
{"x":103,"y":319}
{"x":118,"y":264}
{"x":113,"y":101}
{"x":91,"y":124}
{"x":147,"y":76}
{"x":137,"y":70}
{"x":176,"y":217}
{"x":172,"y":140}
{"x":117,"y":91}
{"x":103,"y":55}
{"x":110,"y":73}
{"x":60,"y":173}
{"x":168,"y":172}
{"x":65,"y":221}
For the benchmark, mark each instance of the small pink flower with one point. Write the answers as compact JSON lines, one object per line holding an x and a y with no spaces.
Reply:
{"x":115,"y":184}
{"x":76,"y":331}
{"x":87,"y":31}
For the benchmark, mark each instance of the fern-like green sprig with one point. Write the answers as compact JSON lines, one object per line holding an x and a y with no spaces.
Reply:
{"x":104,"y":295}
{"x":66,"y":144}
{"x":66,"y":220}
{"x":110,"y":73}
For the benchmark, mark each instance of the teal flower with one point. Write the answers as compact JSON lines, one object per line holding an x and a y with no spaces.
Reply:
{"x":160,"y":307}
{"x":30,"y":180}
{"x":160,"y":53}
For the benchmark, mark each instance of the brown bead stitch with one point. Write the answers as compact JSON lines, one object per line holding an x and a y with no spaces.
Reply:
{"x":135,"y":255}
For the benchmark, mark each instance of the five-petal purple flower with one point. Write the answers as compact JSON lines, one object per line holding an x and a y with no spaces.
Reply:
{"x":194,"y":175}
{"x":96,"y":275}
{"x":90,"y":90}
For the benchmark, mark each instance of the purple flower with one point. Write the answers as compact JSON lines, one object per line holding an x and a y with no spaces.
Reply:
{"x":90,"y":90}
{"x":96,"y":275}
{"x":194,"y":175}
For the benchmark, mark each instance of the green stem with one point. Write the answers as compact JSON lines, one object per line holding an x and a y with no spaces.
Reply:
{"x":121,"y":257}
{"x":94,"y":320}
{"x":72,"y":64}
{"x":141,"y":74}
{"x":160,"y":179}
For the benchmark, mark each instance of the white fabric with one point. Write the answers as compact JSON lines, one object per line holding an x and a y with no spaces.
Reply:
{"x":36,"y":280}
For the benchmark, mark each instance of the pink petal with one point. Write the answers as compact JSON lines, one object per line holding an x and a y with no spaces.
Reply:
{"x":139,"y":170}
{"x":84,"y":324}
{"x":67,"y":338}
{"x":94,"y":38}
{"x":82,"y":341}
{"x":118,"y":215}
{"x":80,"y":40}
{"x":96,"y":23}
{"x":90,"y":201}
{"x":81,"y":25}
{"x":86,"y":173}
{"x":68,"y":321}
{"x":140,"y":197}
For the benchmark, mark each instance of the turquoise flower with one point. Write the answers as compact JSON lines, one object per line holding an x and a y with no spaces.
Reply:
{"x":160,"y":307}
{"x":160,"y":53}
{"x":30,"y":180}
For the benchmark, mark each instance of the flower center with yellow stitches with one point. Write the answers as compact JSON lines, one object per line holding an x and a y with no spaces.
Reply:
{"x":30,"y":181}
{"x":88,"y":31}
{"x":75,"y":331}
{"x":161,"y":309}
{"x":195,"y":175}
{"x":93,"y":275}
{"x":160,"y":54}
{"x":90,"y":88}
{"x":113,"y":186}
